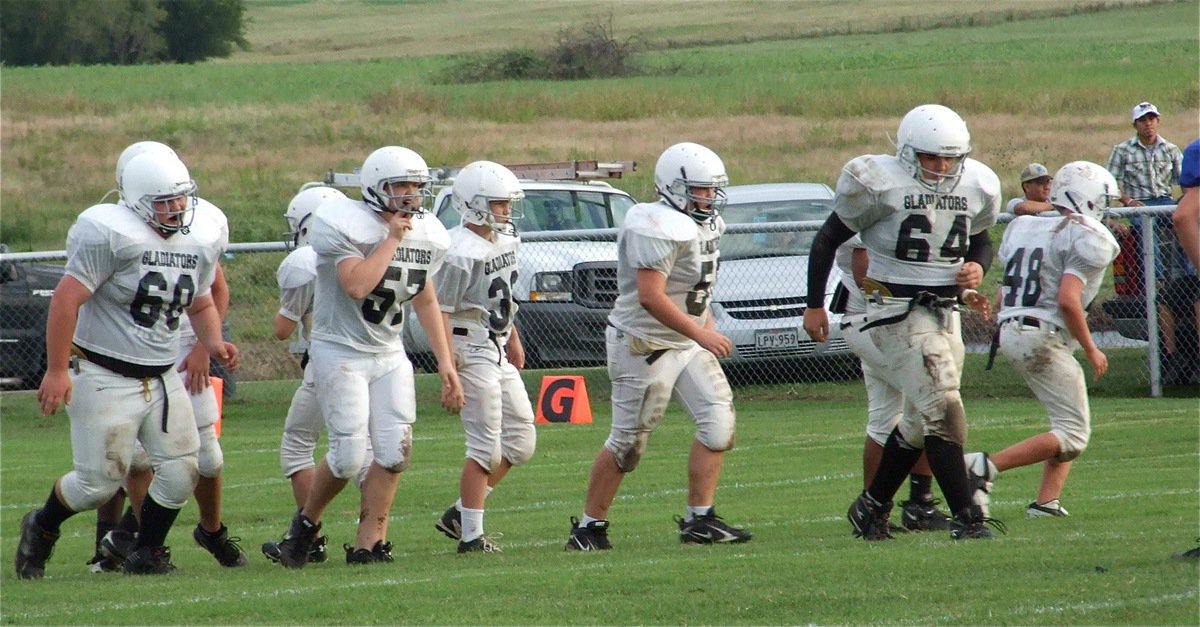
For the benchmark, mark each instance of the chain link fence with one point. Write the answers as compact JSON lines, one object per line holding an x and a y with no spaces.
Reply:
{"x":567,"y":284}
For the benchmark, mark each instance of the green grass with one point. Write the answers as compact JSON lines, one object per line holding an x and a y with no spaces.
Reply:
{"x":1133,"y":498}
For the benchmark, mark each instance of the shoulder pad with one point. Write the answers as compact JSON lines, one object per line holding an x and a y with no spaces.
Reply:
{"x":431,"y":229}
{"x":466,"y":244}
{"x":660,"y":221}
{"x":876,"y":172}
{"x":983,"y":176}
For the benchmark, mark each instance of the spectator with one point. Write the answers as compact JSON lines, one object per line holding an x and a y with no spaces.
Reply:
{"x":1146,"y":167}
{"x":1035,"y":192}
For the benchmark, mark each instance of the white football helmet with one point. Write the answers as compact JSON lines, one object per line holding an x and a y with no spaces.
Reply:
{"x":481,"y":182}
{"x":685,"y":166}
{"x":300,"y":210}
{"x":137,"y":148}
{"x":156,"y":177}
{"x":933,"y":130}
{"x":1084,"y":187}
{"x":395,"y":164}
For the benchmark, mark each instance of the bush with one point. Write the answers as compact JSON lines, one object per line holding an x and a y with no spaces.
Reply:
{"x":589,"y":51}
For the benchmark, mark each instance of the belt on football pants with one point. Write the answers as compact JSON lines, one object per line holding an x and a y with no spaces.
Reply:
{"x":492,"y":335}
{"x":132,"y":371}
{"x":1027,"y":321}
{"x":929,"y":300}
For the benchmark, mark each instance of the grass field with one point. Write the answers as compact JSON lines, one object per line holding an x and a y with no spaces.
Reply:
{"x":784,"y":91}
{"x":1133,"y":498}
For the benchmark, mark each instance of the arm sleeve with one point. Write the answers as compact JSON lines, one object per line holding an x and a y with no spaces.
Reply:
{"x":650,"y":252}
{"x":89,"y":254}
{"x":452,"y":280}
{"x":820,"y":260}
{"x":979,"y":249}
{"x":294,"y":302}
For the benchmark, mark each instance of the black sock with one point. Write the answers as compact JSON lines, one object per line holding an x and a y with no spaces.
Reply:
{"x":156,"y":523}
{"x":102,"y":529}
{"x":898,"y":459}
{"x":946,"y":461}
{"x":920,"y":488}
{"x":128,"y":521}
{"x":53,"y":513}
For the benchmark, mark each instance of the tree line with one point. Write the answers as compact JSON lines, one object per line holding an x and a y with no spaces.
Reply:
{"x":119,"y":32}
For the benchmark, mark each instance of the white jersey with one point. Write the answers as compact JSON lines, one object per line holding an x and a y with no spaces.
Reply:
{"x":297,"y":278}
{"x":844,"y":260}
{"x":478,"y":276}
{"x":344,"y":228}
{"x":141,"y":282}
{"x":657,"y":237}
{"x":1037,"y":252}
{"x":914,"y":236}
{"x":209,"y":212}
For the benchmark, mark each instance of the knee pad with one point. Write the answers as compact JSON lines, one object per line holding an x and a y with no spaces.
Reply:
{"x":627,"y":447}
{"x":715,"y":430}
{"x":88,"y":490}
{"x":211,"y":459}
{"x":488,"y":459}
{"x":296,"y":451}
{"x":1070,"y":445}
{"x":174,"y":481}
{"x":954,"y":419}
{"x":141,"y":461}
{"x":396,"y":456}
{"x":347,"y":456}
{"x":520,"y":449}
{"x":628,"y":443}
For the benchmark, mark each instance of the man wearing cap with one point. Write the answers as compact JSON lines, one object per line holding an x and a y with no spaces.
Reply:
{"x":1035,"y":190}
{"x":1146,"y":166}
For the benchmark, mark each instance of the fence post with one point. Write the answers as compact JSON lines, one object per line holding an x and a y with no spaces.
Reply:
{"x":1150,"y":289}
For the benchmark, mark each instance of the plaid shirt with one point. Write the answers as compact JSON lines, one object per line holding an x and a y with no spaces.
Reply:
{"x":1146,"y":172}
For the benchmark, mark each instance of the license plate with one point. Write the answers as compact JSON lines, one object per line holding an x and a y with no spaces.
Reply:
{"x":777,"y":338}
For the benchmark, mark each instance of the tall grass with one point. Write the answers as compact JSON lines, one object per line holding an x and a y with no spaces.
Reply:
{"x":1053,"y":89}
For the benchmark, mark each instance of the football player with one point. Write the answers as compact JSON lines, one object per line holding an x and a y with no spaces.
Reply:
{"x":296,"y":276}
{"x":133,"y":269}
{"x":923,"y":215}
{"x":1052,"y":271}
{"x":475,"y":291}
{"x":193,"y":365}
{"x":662,"y":342}
{"x":885,"y":404}
{"x":373,"y":255}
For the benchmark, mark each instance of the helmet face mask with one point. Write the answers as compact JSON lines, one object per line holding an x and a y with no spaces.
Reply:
{"x":385,"y":170}
{"x":300,"y":210}
{"x":481,"y":183}
{"x":1085,"y":188}
{"x":938,"y":131}
{"x":158,"y":188}
{"x":685,"y":168}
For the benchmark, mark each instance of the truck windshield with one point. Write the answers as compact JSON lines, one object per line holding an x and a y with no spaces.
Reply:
{"x":559,"y":210}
